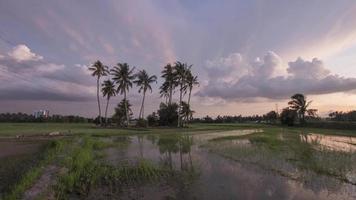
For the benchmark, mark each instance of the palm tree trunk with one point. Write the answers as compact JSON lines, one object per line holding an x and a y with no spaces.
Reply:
{"x":126,"y":111}
{"x":97,"y":96}
{"x":106,"y":111}
{"x":180,"y":104}
{"x":142,"y":104}
{"x":190,"y":92}
{"x":170,"y":94}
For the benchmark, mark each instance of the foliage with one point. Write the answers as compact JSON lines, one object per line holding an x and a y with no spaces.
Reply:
{"x":288,"y":116}
{"x":108,"y":91}
{"x":300,"y":104}
{"x":142,"y":123}
{"x":169,"y":84}
{"x":271,"y":116}
{"x":343,"y":116}
{"x":152,"y":119}
{"x":168,"y":114}
{"x":120,"y":116}
{"x":23,"y":117}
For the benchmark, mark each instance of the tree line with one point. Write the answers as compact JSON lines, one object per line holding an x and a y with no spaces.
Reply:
{"x":23,"y":117}
{"x":297,"y":111}
{"x":121,"y":78}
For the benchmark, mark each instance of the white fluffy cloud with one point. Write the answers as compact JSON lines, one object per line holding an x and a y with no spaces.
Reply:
{"x":309,"y":77}
{"x":23,"y":53}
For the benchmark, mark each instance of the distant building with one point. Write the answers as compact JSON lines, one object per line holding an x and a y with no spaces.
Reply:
{"x":41,"y":113}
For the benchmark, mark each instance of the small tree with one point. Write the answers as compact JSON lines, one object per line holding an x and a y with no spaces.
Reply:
{"x":168,"y":114}
{"x":271,"y":116}
{"x":120,"y":116}
{"x":288,"y":116}
{"x":152,"y":119}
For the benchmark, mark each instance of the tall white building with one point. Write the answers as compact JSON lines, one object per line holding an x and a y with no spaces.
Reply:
{"x":41,"y":113}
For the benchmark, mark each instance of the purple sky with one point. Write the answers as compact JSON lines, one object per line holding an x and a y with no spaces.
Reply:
{"x":249,"y":55}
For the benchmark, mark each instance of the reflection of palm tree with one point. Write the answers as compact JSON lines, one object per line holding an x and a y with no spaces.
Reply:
{"x":168,"y":145}
{"x":174,"y":144}
{"x":98,"y":69}
{"x":140,"y":143}
{"x":144,"y":81}
{"x":109,"y":91}
{"x":123,"y":76}
{"x":186,"y":144}
{"x":300,"y":105}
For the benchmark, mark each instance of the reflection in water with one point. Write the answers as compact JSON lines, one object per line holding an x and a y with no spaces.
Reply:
{"x":209,"y":176}
{"x":335,"y":143}
{"x":208,"y":136}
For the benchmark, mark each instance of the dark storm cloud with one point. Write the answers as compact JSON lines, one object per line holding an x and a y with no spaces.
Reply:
{"x":32,"y":94}
{"x":309,"y":77}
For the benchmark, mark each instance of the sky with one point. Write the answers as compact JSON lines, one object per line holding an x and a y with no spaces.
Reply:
{"x":250,"y":55}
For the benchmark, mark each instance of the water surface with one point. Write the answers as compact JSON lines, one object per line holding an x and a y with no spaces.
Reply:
{"x":215,"y":177}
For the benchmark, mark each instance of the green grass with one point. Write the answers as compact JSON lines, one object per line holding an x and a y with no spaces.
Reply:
{"x":12,"y":129}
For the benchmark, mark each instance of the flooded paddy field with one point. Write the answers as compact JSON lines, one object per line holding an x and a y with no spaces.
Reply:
{"x":251,"y":163}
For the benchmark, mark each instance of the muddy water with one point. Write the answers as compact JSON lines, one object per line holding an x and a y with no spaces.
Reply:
{"x":16,"y":157}
{"x":216,"y":177}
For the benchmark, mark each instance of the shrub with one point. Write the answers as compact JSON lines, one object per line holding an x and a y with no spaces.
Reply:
{"x":141,"y":123}
{"x":168,"y":114}
{"x":152,"y":119}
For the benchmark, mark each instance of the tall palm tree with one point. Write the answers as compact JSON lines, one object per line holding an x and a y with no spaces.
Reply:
{"x":108,"y":90}
{"x":123,"y":76}
{"x":98,"y":70}
{"x":300,"y":104}
{"x":191,"y":82}
{"x":169,"y":82}
{"x":181,"y":71}
{"x":144,"y":81}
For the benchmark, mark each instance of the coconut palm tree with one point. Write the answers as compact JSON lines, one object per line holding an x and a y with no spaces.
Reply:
{"x":123,"y":77}
{"x":169,"y":83}
{"x":108,"y":90}
{"x":144,"y":81}
{"x":181,"y":71}
{"x":98,"y":70}
{"x":191,"y":82}
{"x":164,"y":92}
{"x":300,"y":104}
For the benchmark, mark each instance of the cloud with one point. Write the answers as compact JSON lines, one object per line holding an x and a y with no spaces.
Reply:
{"x":23,"y":53}
{"x":25,"y":75}
{"x":309,"y":77}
